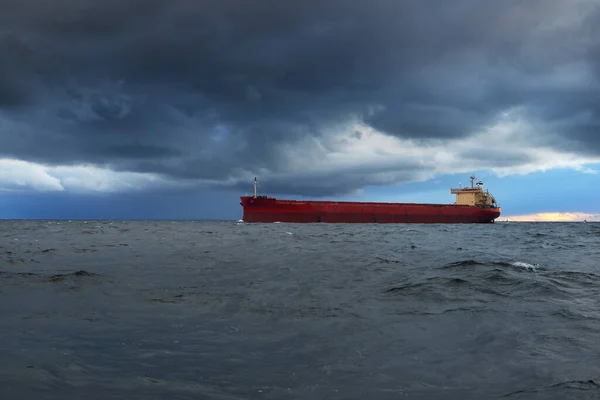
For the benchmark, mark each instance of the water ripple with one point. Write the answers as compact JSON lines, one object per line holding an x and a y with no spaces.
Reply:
{"x":182,"y":310}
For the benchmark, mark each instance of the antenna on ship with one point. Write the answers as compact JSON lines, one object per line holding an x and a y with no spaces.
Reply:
{"x":254,"y":187}
{"x":472,"y":180}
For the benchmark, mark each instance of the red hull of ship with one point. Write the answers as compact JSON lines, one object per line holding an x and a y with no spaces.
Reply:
{"x":268,"y":209}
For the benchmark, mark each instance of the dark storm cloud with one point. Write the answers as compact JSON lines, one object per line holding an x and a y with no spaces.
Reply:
{"x":213,"y":89}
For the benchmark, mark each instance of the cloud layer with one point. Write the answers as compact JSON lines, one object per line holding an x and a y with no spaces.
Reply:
{"x":315,"y":98}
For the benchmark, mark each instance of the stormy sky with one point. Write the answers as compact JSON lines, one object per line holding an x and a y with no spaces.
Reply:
{"x":315,"y":98}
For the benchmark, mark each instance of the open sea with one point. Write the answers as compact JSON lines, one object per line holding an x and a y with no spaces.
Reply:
{"x":227,"y":310}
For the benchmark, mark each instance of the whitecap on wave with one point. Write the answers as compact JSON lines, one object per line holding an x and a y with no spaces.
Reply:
{"x":525,"y":265}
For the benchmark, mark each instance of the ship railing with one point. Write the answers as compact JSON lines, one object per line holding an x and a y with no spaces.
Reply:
{"x":464,"y":190}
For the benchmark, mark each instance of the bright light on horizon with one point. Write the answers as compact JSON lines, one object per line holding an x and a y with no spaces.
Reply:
{"x":553,"y":217}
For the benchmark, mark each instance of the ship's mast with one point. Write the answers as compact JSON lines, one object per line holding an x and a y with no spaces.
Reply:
{"x":254,"y":187}
{"x":472,"y":180}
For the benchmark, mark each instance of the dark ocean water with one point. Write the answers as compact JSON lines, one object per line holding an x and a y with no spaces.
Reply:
{"x":222,"y":310}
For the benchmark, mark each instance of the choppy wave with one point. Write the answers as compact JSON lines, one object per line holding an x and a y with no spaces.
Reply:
{"x":112,"y":309}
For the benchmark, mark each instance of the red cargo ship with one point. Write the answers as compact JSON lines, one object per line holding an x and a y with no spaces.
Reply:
{"x":473,"y":205}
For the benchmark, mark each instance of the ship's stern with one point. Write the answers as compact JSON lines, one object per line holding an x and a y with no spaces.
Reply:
{"x":493,"y":214}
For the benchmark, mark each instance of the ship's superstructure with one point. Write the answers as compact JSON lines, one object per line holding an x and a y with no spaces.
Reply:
{"x":474,"y":196}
